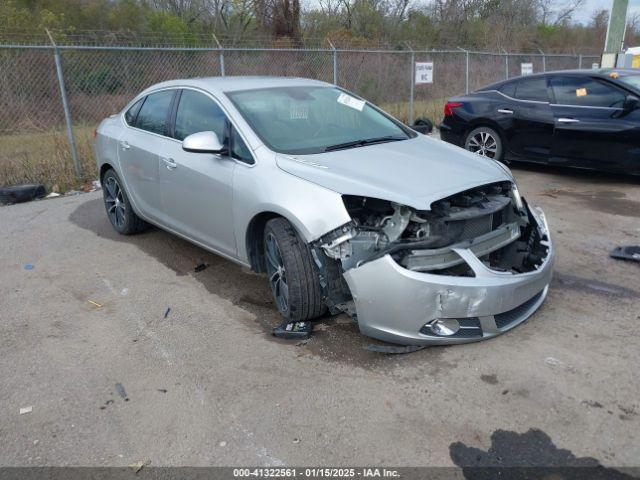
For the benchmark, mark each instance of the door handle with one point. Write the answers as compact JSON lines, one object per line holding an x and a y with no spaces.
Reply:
{"x":170,"y":163}
{"x":125,"y":145}
{"x":506,"y":111}
{"x":568,"y":120}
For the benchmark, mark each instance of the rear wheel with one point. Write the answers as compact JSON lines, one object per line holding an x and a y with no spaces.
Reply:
{"x":291,"y":272}
{"x":486,"y":142}
{"x":118,"y":206}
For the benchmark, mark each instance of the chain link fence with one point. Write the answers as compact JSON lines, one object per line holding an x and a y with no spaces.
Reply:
{"x":36,"y":137}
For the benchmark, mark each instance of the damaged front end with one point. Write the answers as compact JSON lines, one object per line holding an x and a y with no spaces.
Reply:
{"x":475,"y":264}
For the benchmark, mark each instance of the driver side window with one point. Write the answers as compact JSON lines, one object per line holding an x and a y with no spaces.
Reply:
{"x":199,"y":113}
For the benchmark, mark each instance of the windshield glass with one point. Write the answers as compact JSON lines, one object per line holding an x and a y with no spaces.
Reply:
{"x":310,"y":119}
{"x":631,"y":80}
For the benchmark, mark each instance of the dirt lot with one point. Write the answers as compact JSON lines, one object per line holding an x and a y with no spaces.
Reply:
{"x":208,"y":385}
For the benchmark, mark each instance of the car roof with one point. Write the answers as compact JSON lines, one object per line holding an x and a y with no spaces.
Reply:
{"x":233,"y":83}
{"x":600,"y":72}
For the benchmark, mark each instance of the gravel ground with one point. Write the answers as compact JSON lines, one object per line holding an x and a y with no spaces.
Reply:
{"x":207,"y":384}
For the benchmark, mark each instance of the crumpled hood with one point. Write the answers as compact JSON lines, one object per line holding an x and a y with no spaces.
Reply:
{"x":412,"y":172}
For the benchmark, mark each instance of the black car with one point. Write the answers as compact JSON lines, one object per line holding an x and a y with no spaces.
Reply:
{"x":583,"y":118}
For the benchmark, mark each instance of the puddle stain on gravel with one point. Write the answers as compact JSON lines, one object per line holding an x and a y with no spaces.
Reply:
{"x":587,"y":285}
{"x":606,"y":201}
{"x":528,"y":455}
{"x":340,"y":341}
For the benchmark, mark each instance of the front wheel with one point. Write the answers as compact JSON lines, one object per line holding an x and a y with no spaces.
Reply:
{"x":292,"y":274}
{"x":486,"y":142}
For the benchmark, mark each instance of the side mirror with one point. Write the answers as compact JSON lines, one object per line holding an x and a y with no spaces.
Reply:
{"x":631,"y":103}
{"x":203,"y":142}
{"x":423,"y":125}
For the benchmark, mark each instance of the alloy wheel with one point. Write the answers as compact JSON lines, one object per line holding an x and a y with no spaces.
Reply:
{"x":276,"y":272}
{"x":484,"y":144}
{"x":114,"y":202}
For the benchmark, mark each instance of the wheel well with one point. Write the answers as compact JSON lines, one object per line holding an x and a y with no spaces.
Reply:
{"x":103,"y":170}
{"x":255,"y":238}
{"x":484,"y":122}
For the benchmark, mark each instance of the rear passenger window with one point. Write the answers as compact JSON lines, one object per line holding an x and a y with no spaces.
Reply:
{"x":153,"y":114}
{"x":585,"y":92}
{"x":132,"y":113}
{"x":532,"y":89}
{"x":199,"y":113}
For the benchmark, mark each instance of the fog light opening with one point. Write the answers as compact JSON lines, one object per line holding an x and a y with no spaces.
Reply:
{"x":444,"y":327}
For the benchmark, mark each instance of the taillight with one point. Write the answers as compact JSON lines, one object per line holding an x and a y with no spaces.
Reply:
{"x":449,"y":106}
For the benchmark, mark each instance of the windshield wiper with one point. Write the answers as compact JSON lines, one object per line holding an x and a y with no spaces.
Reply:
{"x":363,"y":142}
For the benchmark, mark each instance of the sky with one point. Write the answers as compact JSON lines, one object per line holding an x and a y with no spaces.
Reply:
{"x":584,"y":15}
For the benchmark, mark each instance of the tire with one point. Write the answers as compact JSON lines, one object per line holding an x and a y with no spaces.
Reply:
{"x":291,"y":272}
{"x":20,"y":193}
{"x":486,"y":142}
{"x":118,"y":207}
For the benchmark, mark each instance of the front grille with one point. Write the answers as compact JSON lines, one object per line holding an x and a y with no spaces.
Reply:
{"x":474,"y":227}
{"x":503,"y":320}
{"x":469,"y":328}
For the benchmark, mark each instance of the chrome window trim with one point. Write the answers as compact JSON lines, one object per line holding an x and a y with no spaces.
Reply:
{"x":187,"y":87}
{"x":549,"y":103}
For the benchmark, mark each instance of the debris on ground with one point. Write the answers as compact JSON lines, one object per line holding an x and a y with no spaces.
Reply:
{"x":121,"y":391}
{"x":53,"y":195}
{"x":385,"y":348}
{"x":21,"y":193}
{"x":162,"y":390}
{"x":91,"y":186}
{"x":72,"y":193}
{"x":95,"y":304}
{"x":200,"y":267}
{"x":140,"y":465}
{"x":223,"y":443}
{"x":29,"y":266}
{"x":24,"y":410}
{"x":630,"y":252}
{"x":293,"y":330}
{"x":321,"y":327}
{"x":167,"y":312}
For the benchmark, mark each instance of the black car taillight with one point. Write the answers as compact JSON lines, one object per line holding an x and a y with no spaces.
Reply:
{"x":449,"y":106}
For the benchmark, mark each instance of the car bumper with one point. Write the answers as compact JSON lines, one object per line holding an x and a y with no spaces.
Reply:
{"x":393,"y":304}
{"x":452,"y":134}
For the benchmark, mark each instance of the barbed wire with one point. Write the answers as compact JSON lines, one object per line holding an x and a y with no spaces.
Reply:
{"x":127,"y":38}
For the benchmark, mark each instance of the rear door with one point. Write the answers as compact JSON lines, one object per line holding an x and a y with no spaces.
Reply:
{"x":591,"y":128}
{"x":531,"y":129}
{"x":139,"y":148}
{"x":196,"y":188}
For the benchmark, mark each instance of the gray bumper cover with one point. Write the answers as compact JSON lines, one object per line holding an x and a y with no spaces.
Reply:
{"x":394,"y":303}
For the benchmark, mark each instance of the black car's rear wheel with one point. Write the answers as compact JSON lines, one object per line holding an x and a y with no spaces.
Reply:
{"x":484,"y":141}
{"x":118,"y":206}
{"x":292,"y":274}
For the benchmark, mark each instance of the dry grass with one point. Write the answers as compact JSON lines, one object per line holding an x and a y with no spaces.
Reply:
{"x":431,"y":109}
{"x":44,"y":157}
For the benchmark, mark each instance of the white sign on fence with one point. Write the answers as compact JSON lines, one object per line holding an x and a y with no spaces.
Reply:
{"x":424,"y":72}
{"x":595,"y":66}
{"x":526,"y":69}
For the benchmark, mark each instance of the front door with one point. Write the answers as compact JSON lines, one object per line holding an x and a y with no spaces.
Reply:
{"x":196,"y":188}
{"x":592,"y":130}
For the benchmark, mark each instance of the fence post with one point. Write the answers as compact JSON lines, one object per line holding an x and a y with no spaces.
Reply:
{"x":580,"y":62}
{"x":335,"y":63}
{"x":544,"y":61}
{"x":221,"y":54}
{"x":412,"y":83}
{"x":65,"y":107}
{"x":466,"y":70}
{"x":506,"y":64}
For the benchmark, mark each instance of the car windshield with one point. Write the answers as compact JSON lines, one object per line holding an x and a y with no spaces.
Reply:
{"x":631,"y":80}
{"x":314,"y":119}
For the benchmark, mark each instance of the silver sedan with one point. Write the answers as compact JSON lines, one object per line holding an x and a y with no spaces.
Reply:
{"x":342,"y":206}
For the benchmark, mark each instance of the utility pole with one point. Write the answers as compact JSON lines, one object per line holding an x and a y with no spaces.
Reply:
{"x":617,"y":27}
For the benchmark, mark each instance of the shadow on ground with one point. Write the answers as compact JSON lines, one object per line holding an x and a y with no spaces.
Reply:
{"x":530,"y":455}
{"x":335,"y":338}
